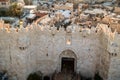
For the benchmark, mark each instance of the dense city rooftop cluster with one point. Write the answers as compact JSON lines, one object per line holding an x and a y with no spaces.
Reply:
{"x":64,"y":13}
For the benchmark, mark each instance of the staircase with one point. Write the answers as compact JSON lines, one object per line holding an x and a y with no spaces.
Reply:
{"x":66,"y":76}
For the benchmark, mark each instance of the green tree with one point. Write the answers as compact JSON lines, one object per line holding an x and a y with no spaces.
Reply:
{"x":3,"y":11}
{"x":15,"y":10}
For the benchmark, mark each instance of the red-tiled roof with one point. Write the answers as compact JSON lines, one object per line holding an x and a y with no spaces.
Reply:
{"x":41,"y":14}
{"x":4,"y":0}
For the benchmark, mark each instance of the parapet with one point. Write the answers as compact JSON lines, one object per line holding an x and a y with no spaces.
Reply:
{"x":53,"y":30}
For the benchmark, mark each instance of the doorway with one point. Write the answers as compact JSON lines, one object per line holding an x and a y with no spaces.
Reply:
{"x":46,"y":78}
{"x":67,"y":64}
{"x":97,"y":76}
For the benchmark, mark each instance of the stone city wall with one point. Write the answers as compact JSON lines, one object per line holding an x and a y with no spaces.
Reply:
{"x":38,"y":48}
{"x":114,"y":49}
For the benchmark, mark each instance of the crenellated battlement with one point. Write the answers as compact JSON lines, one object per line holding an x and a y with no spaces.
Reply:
{"x":71,"y":29}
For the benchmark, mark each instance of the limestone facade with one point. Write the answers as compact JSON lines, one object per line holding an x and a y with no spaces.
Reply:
{"x":40,"y":48}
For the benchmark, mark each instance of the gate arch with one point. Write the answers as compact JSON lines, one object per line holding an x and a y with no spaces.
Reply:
{"x":68,"y":54}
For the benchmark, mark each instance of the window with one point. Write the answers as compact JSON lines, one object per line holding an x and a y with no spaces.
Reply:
{"x":3,"y":3}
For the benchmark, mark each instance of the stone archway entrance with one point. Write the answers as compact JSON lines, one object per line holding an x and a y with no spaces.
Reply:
{"x":68,"y":61}
{"x":67,"y":66}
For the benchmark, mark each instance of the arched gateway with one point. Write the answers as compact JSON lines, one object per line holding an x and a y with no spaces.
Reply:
{"x":68,"y":61}
{"x":67,"y":66}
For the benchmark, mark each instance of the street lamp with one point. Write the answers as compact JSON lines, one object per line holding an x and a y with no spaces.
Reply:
{"x":68,"y":42}
{"x":21,"y":23}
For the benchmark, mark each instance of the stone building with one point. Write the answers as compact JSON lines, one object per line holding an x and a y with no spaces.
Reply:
{"x":41,"y":48}
{"x":4,"y":3}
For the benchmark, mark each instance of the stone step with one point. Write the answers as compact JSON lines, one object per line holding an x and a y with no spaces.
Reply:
{"x":66,"y":76}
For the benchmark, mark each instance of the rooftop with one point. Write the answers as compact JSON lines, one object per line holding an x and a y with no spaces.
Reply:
{"x":4,"y":0}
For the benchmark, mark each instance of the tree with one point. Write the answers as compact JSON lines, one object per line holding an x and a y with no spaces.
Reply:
{"x":35,"y":76}
{"x":3,"y":11}
{"x":15,"y":10}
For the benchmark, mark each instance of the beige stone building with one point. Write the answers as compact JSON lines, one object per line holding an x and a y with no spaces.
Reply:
{"x":4,"y":3}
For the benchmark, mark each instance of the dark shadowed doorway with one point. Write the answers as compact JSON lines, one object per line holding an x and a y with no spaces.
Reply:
{"x":67,"y":64}
{"x":46,"y":78}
